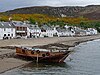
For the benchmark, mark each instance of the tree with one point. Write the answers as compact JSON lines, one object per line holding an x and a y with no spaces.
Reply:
{"x":32,"y":21}
{"x":97,"y":26}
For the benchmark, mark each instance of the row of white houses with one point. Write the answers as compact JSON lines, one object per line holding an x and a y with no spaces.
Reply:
{"x":18,"y":29}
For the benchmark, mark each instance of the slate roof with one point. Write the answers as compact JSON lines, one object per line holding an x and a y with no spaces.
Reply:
{"x":5,"y":25}
{"x":46,"y":27}
{"x":79,"y":30}
{"x":18,"y":23}
{"x":62,"y":29}
{"x":35,"y":27}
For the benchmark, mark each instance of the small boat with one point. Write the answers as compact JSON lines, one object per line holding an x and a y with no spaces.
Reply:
{"x":43,"y":55}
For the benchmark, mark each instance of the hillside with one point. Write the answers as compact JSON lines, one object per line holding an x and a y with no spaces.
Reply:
{"x":91,"y":11}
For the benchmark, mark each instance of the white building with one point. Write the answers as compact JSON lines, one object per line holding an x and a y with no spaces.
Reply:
{"x":92,"y":31}
{"x":21,"y":29}
{"x":63,"y":31}
{"x":46,"y":31}
{"x":35,"y":31}
{"x":7,"y":31}
{"x":79,"y":31}
{"x":88,"y":32}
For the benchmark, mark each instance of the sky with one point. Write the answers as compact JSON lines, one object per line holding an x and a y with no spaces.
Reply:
{"x":13,"y":4}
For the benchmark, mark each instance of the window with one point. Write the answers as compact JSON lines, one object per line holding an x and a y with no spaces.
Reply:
{"x":24,"y":28}
{"x":11,"y":34}
{"x":4,"y":34}
{"x":72,"y":31}
{"x":21,"y":28}
{"x":4,"y":29}
{"x":17,"y":28}
{"x":8,"y":34}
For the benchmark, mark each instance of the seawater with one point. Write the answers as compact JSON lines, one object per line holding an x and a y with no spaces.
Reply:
{"x":85,"y":60}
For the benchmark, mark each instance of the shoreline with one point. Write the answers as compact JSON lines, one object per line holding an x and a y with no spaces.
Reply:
{"x":9,"y":63}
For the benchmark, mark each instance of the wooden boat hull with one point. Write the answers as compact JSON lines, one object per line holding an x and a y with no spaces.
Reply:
{"x":53,"y":57}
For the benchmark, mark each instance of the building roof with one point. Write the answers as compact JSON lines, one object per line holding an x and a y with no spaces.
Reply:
{"x":5,"y":25}
{"x":46,"y":27}
{"x":34,"y":27}
{"x":19,"y":23}
{"x":78,"y":30}
{"x":59,"y":29}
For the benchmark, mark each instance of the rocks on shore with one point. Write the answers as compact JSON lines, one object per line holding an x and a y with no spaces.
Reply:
{"x":8,"y":55}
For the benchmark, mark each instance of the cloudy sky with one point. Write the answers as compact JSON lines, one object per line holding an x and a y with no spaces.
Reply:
{"x":12,"y":4}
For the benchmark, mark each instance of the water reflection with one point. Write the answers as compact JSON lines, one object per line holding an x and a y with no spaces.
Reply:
{"x":44,"y":68}
{"x":41,"y":65}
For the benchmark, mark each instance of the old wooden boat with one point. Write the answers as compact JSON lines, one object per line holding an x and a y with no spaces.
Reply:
{"x":43,"y":55}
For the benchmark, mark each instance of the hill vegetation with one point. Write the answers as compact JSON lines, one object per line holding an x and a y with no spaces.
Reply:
{"x":76,"y":16}
{"x":90,"y":11}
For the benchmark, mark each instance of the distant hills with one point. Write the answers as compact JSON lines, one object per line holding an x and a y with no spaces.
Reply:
{"x":90,"y":11}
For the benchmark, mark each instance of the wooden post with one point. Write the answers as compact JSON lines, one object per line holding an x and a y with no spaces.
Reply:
{"x":37,"y":59}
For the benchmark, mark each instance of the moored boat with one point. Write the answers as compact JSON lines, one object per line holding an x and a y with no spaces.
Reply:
{"x":43,"y":55}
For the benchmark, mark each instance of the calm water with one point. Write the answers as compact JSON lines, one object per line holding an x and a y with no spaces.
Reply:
{"x":84,"y":61}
